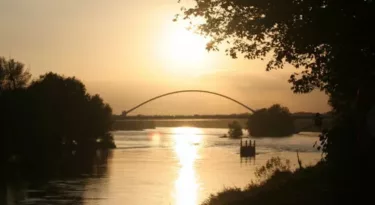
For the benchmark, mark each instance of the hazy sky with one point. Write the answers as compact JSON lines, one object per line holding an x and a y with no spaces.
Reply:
{"x":128,"y":51}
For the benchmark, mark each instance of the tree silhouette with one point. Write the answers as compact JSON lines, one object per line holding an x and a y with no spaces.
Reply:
{"x":52,"y":116}
{"x":331,"y":41}
{"x":13,"y":74}
{"x":79,"y":118}
{"x":235,"y":129}
{"x":332,"y":45}
{"x":275,"y":121}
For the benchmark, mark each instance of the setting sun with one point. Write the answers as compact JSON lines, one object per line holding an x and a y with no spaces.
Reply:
{"x":183,"y":51}
{"x":185,"y":46}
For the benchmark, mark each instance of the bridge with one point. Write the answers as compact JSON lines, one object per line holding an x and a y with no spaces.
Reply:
{"x":189,"y":91}
{"x":303,"y":121}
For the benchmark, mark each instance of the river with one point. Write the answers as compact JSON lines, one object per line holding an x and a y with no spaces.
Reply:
{"x":166,"y":166}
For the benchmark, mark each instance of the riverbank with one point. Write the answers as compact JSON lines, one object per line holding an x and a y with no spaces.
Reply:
{"x":303,"y":186}
{"x":302,"y":125}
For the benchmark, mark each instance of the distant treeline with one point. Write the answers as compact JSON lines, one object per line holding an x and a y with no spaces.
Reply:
{"x":133,"y":125}
{"x":272,"y":122}
{"x":296,"y":115}
{"x":217,"y":116}
{"x":49,"y":117}
{"x":301,"y":125}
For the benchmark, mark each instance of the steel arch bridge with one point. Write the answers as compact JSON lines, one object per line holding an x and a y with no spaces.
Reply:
{"x":189,"y":91}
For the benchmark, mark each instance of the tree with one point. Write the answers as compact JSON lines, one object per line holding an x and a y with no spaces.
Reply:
{"x":15,"y":120}
{"x":67,"y":113}
{"x":327,"y":38}
{"x":99,"y":114}
{"x":58,"y":106}
{"x":52,"y":115}
{"x":13,"y":74}
{"x":330,"y":42}
{"x":235,"y":130}
{"x":14,"y":116}
{"x":275,"y":121}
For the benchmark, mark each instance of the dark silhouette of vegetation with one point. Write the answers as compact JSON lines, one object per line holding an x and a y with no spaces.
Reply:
{"x":235,"y":130}
{"x":196,"y":116}
{"x":133,"y":125}
{"x":51,"y":116}
{"x":297,"y":115}
{"x":300,"y":124}
{"x":332,"y":45}
{"x":83,"y":119}
{"x":318,"y":120}
{"x":278,"y":184}
{"x":12,"y":74}
{"x":273,"y":165}
{"x":275,"y":121}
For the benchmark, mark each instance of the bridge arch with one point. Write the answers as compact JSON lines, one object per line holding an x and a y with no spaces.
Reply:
{"x":189,"y":91}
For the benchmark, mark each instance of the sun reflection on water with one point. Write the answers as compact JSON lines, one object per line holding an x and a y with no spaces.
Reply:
{"x":187,"y":141}
{"x":155,"y":138}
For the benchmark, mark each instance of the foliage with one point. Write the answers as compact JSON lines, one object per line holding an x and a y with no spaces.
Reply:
{"x":330,"y":40}
{"x":273,"y":165}
{"x":274,"y":121}
{"x":332,"y":45}
{"x":54,"y":114}
{"x":303,"y":186}
{"x":12,"y":74}
{"x":79,"y":117}
{"x":235,"y":129}
{"x":224,"y":197}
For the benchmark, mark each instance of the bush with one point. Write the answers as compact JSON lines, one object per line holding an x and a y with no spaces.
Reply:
{"x":272,"y":166}
{"x":272,"y":122}
{"x":52,"y":115}
{"x":235,"y":130}
{"x":279,"y":186}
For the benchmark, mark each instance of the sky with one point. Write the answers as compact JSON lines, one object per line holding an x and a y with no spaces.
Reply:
{"x":129,"y":51}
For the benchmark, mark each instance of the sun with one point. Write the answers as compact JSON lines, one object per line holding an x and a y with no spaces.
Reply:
{"x":185,"y":46}
{"x":183,"y":51}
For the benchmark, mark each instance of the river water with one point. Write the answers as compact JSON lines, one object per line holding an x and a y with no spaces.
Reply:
{"x":166,"y":166}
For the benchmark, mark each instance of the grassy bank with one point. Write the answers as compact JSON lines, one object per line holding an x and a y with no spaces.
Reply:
{"x":282,"y":186}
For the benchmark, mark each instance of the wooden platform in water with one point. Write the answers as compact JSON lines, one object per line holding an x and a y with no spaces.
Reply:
{"x":247,"y":148}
